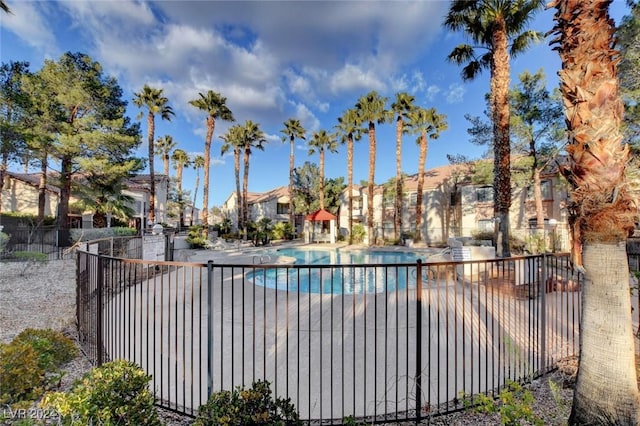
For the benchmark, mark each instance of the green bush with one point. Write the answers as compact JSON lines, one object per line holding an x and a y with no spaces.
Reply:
{"x":358,"y":232}
{"x":115,"y":393}
{"x":515,"y":405}
{"x":195,"y":237}
{"x":282,"y":231}
{"x":4,"y":240}
{"x":22,"y":377}
{"x":101,"y":233}
{"x":53,"y":348}
{"x":254,"y":406}
{"x":31,"y":362}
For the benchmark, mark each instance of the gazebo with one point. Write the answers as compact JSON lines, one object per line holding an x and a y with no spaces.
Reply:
{"x":320,"y":227}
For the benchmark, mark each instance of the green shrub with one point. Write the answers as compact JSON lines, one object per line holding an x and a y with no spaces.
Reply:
{"x":358,"y":232}
{"x":254,"y":406}
{"x":115,"y":393}
{"x":4,"y":240}
{"x":195,"y":237}
{"x":31,"y":362}
{"x":53,"y":348}
{"x":101,"y":233}
{"x":22,"y":377}
{"x":515,"y":405}
{"x":282,"y":231}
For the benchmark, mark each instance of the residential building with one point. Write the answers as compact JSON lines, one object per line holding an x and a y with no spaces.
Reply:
{"x":20,"y":194}
{"x":273,"y":204}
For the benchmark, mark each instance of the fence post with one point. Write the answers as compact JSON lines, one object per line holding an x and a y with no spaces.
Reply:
{"x":543,"y":315}
{"x":419,"y":341}
{"x":209,"y":329}
{"x":99,"y":293}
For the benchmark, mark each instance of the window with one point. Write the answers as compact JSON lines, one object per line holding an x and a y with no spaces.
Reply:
{"x":283,"y":208}
{"x":545,"y":187}
{"x":484,"y":194}
{"x":357,"y":202}
{"x":413,"y":199}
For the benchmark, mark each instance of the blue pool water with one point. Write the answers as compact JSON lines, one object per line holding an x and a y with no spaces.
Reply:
{"x":313,"y":276}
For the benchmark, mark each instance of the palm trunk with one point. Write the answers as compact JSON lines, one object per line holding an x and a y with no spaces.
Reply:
{"x":165,"y":161}
{"x":372,"y":168}
{"x":350,"y":183}
{"x":321,"y":178}
{"x":607,"y":388}
{"x":422,"y":159}
{"x":603,"y":213}
{"x":239,"y":203}
{"x":195,"y":194}
{"x":180,"y":201}
{"x":291,"y":167}
{"x":397,"y":224}
{"x":245,"y":193}
{"x":152,"y":175}
{"x":502,"y":146}
{"x":205,"y":185}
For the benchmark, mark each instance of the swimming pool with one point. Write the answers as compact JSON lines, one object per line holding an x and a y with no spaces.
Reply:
{"x":353,"y":271}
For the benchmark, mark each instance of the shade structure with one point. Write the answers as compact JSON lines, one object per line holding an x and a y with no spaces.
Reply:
{"x":320,"y":227}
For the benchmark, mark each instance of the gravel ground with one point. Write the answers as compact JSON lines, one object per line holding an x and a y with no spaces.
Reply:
{"x":43,"y":296}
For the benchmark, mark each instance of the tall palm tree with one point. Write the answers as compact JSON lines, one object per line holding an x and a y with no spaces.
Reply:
{"x":215,"y":105}
{"x":498,"y":26}
{"x":292,"y":130}
{"x":198,"y":163}
{"x":180,"y":161}
{"x":156,"y":103}
{"x":402,"y":106}
{"x":428,"y":123}
{"x":372,"y":109}
{"x":603,"y":212}
{"x":164,"y":146}
{"x":252,"y":137}
{"x":320,"y":142}
{"x":350,"y":129}
{"x":233,"y":139}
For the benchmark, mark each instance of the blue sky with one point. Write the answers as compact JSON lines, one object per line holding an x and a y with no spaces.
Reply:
{"x":274,"y":60}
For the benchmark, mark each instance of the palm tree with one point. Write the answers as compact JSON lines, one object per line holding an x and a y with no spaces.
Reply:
{"x":198,"y":163}
{"x":603,"y":212}
{"x":320,"y":142}
{"x":499,"y":27}
{"x":402,"y":106}
{"x":371,"y":109}
{"x":428,"y":123}
{"x":165,"y":145}
{"x":214,"y":104}
{"x":234,"y":139}
{"x":252,"y":137}
{"x":180,"y":161}
{"x":156,"y":103}
{"x":349,"y":127}
{"x":292,"y":130}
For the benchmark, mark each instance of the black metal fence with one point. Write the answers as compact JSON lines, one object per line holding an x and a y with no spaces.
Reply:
{"x":42,"y":239}
{"x":386,"y":343}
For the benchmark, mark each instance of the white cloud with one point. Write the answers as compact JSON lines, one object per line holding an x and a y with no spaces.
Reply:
{"x":352,"y":78}
{"x":28,"y":21}
{"x":432,"y":91}
{"x":455,"y":93}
